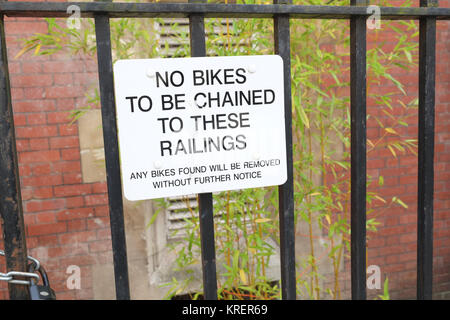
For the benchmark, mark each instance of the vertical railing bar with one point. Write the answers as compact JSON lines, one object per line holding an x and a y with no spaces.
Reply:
{"x":205,"y":200}
{"x":106,"y":84}
{"x":427,"y":73}
{"x":286,"y":191}
{"x":11,"y":212}
{"x":358,"y":153}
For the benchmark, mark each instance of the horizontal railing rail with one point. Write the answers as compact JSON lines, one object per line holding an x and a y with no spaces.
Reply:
{"x":210,"y":10}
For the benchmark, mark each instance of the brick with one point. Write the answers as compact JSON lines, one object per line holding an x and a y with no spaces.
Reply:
{"x":20,"y":120}
{"x":26,"y":81}
{"x":102,"y":211}
{"x":27,"y":27}
{"x":76,"y":213}
{"x":69,"y":251}
{"x":68,"y":130}
{"x":392,"y":240}
{"x":67,"y":104}
{"x":46,"y":240}
{"x":63,"y":92}
{"x":58,"y":117}
{"x":45,"y":217}
{"x":72,"y":178}
{"x":34,"y":93}
{"x":391,"y":221}
{"x":37,"y":132}
{"x":22,"y":145}
{"x":392,"y":191}
{"x":24,"y":170}
{"x":34,"y":105}
{"x":44,"y":205}
{"x":99,"y":187}
{"x":408,"y":160}
{"x":31,"y":67}
{"x":408,"y":219}
{"x":46,"y":229}
{"x":410,"y":256}
{"x":405,"y":238}
{"x":67,"y":166}
{"x":72,"y":190}
{"x":391,"y":259}
{"x":384,"y":231}
{"x":41,"y":169}
{"x":29,"y":219}
{"x":70,"y":154}
{"x":376,"y":242}
{"x":26,"y":193}
{"x":14,"y":67}
{"x":76,"y":225}
{"x":68,"y":66}
{"x":74,"y":202}
{"x":64,"y":142}
{"x":43,"y":193}
{"x":39,"y":144}
{"x":104,"y":234}
{"x":39,"y":156}
{"x":36,"y":119}
{"x":409,"y":179}
{"x":77,"y":237}
{"x":375,"y":163}
{"x":98,"y":223}
{"x":99,"y":246}
{"x":39,"y":181}
{"x":93,"y":200}
{"x":63,"y":78}
{"x":85,"y":78}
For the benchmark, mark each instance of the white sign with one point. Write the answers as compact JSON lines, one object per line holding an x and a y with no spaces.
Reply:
{"x":195,"y":125}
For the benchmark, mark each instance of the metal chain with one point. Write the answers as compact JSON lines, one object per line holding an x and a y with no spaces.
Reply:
{"x":9,"y":277}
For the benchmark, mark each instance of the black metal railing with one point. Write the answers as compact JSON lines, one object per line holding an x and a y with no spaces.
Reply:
{"x":281,"y":12}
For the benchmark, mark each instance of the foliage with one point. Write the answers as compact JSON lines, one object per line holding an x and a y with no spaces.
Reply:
{"x":247,"y":226}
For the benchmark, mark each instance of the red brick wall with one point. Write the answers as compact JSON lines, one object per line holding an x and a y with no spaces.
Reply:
{"x":394,"y":246}
{"x":67,"y":221}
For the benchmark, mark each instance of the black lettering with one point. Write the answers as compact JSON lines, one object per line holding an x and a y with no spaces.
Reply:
{"x":198,"y":75}
{"x":149,"y":103}
{"x":196,"y":121}
{"x":243,"y":119}
{"x":165,"y":80}
{"x":178,"y":100}
{"x":216,"y":99}
{"x":166,"y":145}
{"x":241,"y":74}
{"x":166,"y":99}
{"x":215,"y":76}
{"x":181,"y":79}
{"x":227,"y":99}
{"x":197,"y":102}
{"x":241,"y":144}
{"x":131,"y":102}
{"x":266,"y":100}
{"x":180,"y":147}
{"x":227,"y":75}
{"x":233,"y":120}
{"x":255,"y":96}
{"x":230,"y":145}
{"x":220,"y":121}
{"x":163,"y":123}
